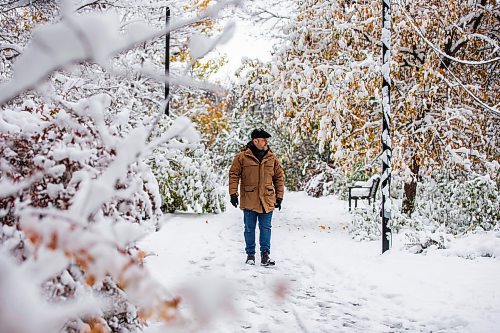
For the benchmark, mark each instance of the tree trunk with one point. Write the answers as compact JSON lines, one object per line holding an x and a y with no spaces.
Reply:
{"x":410,"y":189}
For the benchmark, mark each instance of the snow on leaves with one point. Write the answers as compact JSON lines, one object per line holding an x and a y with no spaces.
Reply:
{"x":75,"y":183}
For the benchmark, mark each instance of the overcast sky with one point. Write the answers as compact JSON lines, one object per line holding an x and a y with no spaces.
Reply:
{"x":243,"y":44}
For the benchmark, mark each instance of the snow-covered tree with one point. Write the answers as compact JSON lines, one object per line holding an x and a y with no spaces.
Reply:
{"x":325,"y":82}
{"x":446,"y":86}
{"x":81,"y":100}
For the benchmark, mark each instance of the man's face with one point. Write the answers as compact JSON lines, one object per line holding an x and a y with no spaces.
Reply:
{"x":260,"y":143}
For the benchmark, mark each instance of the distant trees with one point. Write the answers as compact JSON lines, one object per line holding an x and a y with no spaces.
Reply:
{"x":325,"y":87}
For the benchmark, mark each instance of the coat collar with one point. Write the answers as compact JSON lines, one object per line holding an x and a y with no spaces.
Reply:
{"x":248,"y":152}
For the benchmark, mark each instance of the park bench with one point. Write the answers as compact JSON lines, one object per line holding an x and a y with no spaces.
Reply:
{"x":364,"y":190}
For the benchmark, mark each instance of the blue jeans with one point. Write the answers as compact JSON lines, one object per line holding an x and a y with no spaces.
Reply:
{"x":250,"y":218}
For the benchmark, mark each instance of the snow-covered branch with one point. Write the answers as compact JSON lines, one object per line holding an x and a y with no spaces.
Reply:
{"x":84,"y":38}
{"x":11,"y":5}
{"x":438,"y":50}
{"x":8,"y":46}
{"x":8,"y":187}
{"x":492,"y":109}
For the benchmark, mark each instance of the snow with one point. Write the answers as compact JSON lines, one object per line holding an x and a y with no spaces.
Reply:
{"x":324,"y":281}
{"x":25,"y":300}
{"x":20,"y":121}
{"x":8,"y":187}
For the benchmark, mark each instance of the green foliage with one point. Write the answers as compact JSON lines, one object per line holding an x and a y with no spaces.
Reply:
{"x":459,"y":205}
{"x":366,"y":225}
{"x":188,"y":182}
{"x":204,"y":69}
{"x":445,"y":208}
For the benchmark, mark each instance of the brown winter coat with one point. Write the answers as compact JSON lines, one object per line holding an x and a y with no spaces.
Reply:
{"x":261,"y":183}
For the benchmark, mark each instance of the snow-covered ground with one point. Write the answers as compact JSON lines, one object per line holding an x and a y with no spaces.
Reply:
{"x":323,"y":281}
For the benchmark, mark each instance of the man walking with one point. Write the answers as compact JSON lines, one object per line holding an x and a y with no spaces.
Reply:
{"x":261,"y":190}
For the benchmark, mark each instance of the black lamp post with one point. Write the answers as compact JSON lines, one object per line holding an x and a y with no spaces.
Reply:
{"x":386,"y":125}
{"x":167,"y":63}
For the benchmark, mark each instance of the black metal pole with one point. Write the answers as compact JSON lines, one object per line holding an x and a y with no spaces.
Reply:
{"x":386,"y":125}
{"x":167,"y":63}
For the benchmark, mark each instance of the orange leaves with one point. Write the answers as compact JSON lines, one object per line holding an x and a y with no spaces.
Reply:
{"x":29,"y":18}
{"x":145,"y":314}
{"x":203,"y":4}
{"x":100,"y":259}
{"x":97,"y":325}
{"x":289,"y":113}
{"x":199,"y":5}
{"x":441,"y":71}
{"x":53,"y":241}
{"x":213,"y":120}
{"x":206,"y":25}
{"x":182,"y":56}
{"x":90,"y":280}
{"x":37,"y":239}
{"x":34,"y":237}
{"x":166,"y":311}
{"x":140,"y":255}
{"x":82,"y":259}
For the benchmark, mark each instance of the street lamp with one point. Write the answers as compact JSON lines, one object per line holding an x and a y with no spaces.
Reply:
{"x":386,"y":125}
{"x":167,"y":63}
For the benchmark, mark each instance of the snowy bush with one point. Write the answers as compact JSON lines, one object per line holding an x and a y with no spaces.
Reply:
{"x":448,"y":210}
{"x":476,"y":244}
{"x":325,"y":180}
{"x":456,"y":205}
{"x":188,"y":181}
{"x":444,"y":209}
{"x":427,"y":239}
{"x":479,"y":244}
{"x":50,"y":157}
{"x":366,"y":224}
{"x":461,"y":205}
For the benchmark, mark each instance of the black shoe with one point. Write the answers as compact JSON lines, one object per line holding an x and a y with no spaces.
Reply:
{"x":250,"y":260}
{"x":265,"y":260}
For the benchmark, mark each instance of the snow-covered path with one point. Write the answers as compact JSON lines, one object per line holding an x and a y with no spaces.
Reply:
{"x":323,"y":281}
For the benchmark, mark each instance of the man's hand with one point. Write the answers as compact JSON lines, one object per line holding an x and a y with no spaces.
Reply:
{"x":278,"y":203}
{"x":234,"y":200}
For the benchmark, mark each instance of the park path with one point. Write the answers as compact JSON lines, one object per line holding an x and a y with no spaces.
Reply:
{"x":323,"y":281}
